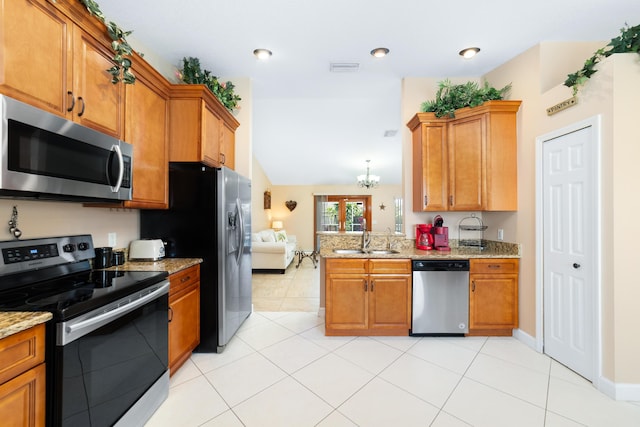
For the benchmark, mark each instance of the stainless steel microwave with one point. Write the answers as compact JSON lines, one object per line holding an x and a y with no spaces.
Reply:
{"x":46,"y":156}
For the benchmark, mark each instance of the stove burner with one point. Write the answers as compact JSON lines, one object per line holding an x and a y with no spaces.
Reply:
{"x":63,"y":299}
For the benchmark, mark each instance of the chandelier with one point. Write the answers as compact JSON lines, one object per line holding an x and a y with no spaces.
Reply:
{"x":368,"y":180}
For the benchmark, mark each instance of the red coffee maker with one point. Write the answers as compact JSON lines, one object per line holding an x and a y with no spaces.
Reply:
{"x":424,"y":237}
{"x":440,"y":234}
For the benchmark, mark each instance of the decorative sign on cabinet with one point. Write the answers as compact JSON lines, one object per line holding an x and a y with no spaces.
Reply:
{"x":466,"y":163}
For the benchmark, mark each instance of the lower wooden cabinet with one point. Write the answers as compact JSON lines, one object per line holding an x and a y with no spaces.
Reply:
{"x":493,"y":296}
{"x":368,"y":296}
{"x":184,"y":316}
{"x":22,"y":378}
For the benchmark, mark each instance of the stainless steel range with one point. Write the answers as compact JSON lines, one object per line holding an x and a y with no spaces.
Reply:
{"x":107,"y":345}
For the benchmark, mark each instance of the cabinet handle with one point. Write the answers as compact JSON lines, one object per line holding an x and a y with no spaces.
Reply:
{"x":473,"y":286}
{"x":494,"y":266}
{"x":223,"y":159}
{"x":82,"y":110}
{"x":73,"y":101}
{"x":185,"y":279}
{"x":372,"y":283}
{"x":170,"y":314}
{"x":365,"y":286}
{"x":426,"y":200}
{"x":450,"y":200}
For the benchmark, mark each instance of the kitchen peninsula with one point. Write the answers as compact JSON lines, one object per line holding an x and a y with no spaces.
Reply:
{"x":370,"y":292}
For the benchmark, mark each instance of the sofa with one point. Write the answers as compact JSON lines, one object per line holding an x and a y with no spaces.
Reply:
{"x":272,"y":250}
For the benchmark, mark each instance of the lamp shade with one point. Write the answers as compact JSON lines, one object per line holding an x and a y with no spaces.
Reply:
{"x":277,"y":225}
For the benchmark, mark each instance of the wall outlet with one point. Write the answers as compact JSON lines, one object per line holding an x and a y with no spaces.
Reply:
{"x":500,"y":234}
{"x":111,"y":237}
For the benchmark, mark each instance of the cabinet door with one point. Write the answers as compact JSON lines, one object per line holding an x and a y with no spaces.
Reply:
{"x":22,"y":399}
{"x":184,"y":325}
{"x":210,"y":138}
{"x":146,"y":129}
{"x":346,"y":303}
{"x":389,"y":303}
{"x":493,"y":302}
{"x":430,"y":186}
{"x":35,"y":41}
{"x":228,"y":147}
{"x":467,"y":160}
{"x":98,"y":102}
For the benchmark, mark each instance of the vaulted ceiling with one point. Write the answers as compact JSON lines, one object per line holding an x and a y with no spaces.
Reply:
{"x":314,"y":126}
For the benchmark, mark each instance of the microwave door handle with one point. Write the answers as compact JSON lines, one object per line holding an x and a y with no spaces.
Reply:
{"x":116,"y":148}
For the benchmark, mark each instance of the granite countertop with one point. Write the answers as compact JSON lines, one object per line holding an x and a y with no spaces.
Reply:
{"x":18,"y":321}
{"x":406,"y":248}
{"x":170,"y":265}
{"x":454,"y":253}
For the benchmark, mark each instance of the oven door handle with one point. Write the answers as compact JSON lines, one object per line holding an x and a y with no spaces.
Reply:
{"x":72,"y":330}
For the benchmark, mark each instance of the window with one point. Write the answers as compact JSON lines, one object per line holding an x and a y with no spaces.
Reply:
{"x":341,"y":213}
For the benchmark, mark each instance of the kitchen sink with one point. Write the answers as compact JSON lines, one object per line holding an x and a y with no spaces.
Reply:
{"x":348,"y":251}
{"x":383,"y":251}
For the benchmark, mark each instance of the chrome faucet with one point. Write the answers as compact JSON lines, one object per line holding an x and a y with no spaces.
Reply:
{"x":388,"y":238}
{"x":366,"y":236}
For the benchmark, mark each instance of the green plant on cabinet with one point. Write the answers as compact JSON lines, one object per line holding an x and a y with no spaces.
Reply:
{"x":450,"y":97}
{"x":192,"y":73}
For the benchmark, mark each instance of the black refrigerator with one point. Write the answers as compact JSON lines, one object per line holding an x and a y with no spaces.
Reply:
{"x":209,"y":217}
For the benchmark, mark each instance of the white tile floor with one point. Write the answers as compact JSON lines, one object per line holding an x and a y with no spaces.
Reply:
{"x":280,"y":370}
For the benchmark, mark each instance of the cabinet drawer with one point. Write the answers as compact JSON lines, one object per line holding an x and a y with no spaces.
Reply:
{"x":183,"y":279}
{"x":20,"y":352}
{"x":493,"y":266}
{"x":347,"y":265}
{"x":389,"y":266}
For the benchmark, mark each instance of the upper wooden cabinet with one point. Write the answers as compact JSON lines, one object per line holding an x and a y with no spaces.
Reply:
{"x":147,"y":129}
{"x":468,"y":162}
{"x":49,"y":61}
{"x":201,"y":128}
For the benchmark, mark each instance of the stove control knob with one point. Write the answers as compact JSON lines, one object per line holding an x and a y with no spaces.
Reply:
{"x":69,"y":247}
{"x":83,"y":246}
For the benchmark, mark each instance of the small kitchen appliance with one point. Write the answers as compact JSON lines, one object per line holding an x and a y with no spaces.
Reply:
{"x":424,"y":237}
{"x":146,"y":250}
{"x":440,"y":234}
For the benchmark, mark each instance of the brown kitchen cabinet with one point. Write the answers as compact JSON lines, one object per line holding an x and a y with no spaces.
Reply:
{"x":147,"y":129}
{"x":493,"y":296}
{"x":55,"y":57}
{"x":368,"y":296}
{"x":22,"y":378}
{"x":201,"y":128}
{"x":184,"y":316}
{"x":468,"y":162}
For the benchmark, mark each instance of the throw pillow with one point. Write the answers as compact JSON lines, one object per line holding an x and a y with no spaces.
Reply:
{"x":281,"y":236}
{"x":271,"y":238}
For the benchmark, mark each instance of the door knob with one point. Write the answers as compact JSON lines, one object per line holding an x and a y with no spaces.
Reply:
{"x":576,"y":265}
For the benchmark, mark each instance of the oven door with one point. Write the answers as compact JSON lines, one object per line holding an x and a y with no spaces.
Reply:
{"x":110,"y":360}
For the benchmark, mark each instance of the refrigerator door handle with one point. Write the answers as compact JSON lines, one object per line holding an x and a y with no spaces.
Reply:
{"x":241,"y":232}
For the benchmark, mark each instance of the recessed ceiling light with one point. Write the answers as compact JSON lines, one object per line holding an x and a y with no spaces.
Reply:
{"x":379,"y":52}
{"x":262,"y":53}
{"x":469,"y":52}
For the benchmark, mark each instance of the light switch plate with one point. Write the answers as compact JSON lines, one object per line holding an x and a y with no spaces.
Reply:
{"x":500,"y":234}
{"x":111,"y":237}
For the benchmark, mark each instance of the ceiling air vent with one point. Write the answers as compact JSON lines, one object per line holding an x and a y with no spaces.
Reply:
{"x":344,"y":67}
{"x":390,"y":133}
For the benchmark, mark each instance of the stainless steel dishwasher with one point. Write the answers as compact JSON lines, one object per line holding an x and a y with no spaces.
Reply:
{"x":440,"y":298}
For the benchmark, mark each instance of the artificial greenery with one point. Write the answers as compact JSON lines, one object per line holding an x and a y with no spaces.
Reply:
{"x":121,"y":58}
{"x":450,"y":97}
{"x":627,"y":41}
{"x":192,"y":73}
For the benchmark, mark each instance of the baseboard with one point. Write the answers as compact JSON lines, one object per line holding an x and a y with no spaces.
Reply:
{"x":321,"y":312}
{"x":526,"y":339}
{"x":619,"y":391}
